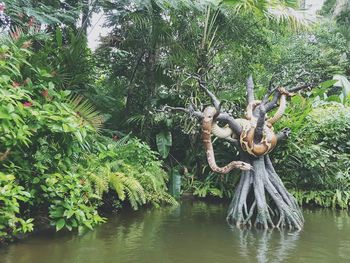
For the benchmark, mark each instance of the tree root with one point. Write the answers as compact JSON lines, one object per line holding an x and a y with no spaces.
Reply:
{"x":284,"y":211}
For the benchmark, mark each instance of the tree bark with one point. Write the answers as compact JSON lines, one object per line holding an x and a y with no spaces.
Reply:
{"x":259,"y":130}
{"x":250,"y":89}
{"x":259,"y":184}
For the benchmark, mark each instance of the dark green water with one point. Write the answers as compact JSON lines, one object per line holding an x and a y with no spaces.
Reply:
{"x":193,"y":232}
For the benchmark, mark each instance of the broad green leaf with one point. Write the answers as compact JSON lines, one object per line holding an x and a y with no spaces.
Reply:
{"x":4,"y":115}
{"x":164,"y":142}
{"x":334,"y":98}
{"x":343,"y":82}
{"x":328,"y":83}
{"x":60,"y":224}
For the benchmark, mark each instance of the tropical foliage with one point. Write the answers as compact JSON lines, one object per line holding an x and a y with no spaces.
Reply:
{"x":322,"y":157}
{"x":55,"y":167}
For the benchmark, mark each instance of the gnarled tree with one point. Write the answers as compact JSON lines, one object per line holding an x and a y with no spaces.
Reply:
{"x":260,"y":198}
{"x":255,"y":138}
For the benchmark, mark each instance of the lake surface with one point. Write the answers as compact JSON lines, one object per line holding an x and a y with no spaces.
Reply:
{"x":193,"y":232}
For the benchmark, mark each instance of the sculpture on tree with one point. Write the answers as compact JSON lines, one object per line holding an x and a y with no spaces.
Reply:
{"x":255,"y":138}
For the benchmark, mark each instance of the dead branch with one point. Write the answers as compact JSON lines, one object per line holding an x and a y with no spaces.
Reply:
{"x":250,"y":89}
{"x":228,"y":119}
{"x":259,"y":130}
{"x":283,"y":134}
{"x":277,"y":94}
{"x":190,"y":111}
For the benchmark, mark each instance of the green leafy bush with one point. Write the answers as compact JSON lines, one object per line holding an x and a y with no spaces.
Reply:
{"x":53,"y":162}
{"x":72,"y":201}
{"x":11,"y":195}
{"x":136,"y":167}
{"x":316,"y":159}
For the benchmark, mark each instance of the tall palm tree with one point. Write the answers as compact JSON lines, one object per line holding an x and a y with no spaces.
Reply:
{"x":145,"y":28}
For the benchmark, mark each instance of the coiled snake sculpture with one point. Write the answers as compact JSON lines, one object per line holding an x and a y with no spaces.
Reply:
{"x":246,"y":139}
{"x":207,"y":123}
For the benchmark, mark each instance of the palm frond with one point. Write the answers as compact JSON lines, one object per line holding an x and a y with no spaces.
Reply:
{"x":86,"y":110}
{"x":43,"y":13}
{"x":137,"y":120}
{"x":295,"y":18}
{"x":277,"y":10}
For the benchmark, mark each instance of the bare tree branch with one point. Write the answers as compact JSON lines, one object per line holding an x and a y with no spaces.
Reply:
{"x":274,"y":102}
{"x":189,"y":111}
{"x":260,"y":123}
{"x":215,"y":101}
{"x":228,"y":119}
{"x":301,"y":87}
{"x":250,"y":89}
{"x":223,"y":116}
{"x":283,"y":135}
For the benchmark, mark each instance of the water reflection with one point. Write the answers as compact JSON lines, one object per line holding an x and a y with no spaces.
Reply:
{"x":192,"y":232}
{"x":266,"y":245}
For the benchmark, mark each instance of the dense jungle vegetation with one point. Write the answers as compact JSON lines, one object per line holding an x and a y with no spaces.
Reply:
{"x":82,"y":132}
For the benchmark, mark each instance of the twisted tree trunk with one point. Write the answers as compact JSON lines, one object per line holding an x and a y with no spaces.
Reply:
{"x":249,"y":205}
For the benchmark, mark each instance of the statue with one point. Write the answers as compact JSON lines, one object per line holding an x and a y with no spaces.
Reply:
{"x":255,"y":138}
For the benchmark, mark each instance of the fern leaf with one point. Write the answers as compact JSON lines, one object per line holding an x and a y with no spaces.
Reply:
{"x":118,"y":185}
